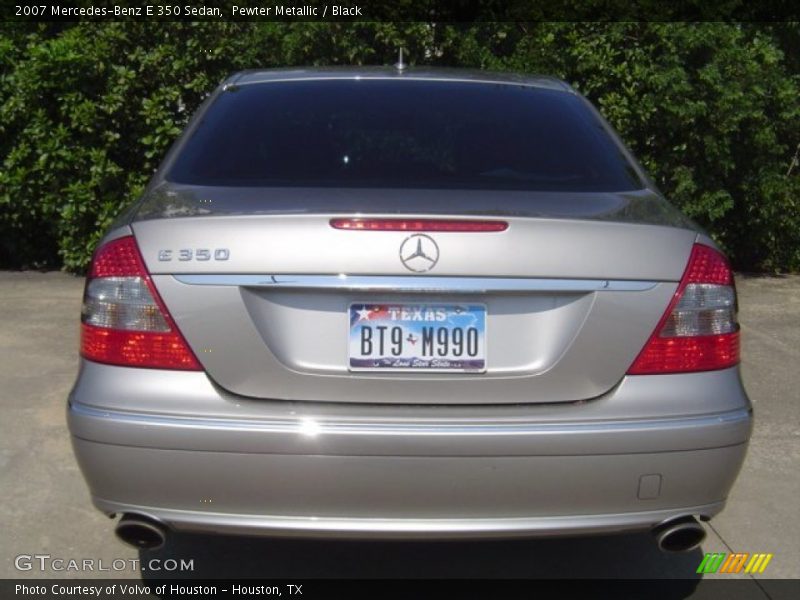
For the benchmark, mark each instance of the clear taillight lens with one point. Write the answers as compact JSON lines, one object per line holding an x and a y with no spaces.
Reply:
{"x":703,"y":309}
{"x":699,"y":330}
{"x":123,"y":320}
{"x":122,"y":303}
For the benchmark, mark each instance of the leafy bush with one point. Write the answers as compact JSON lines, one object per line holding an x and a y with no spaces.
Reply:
{"x":88,"y":110}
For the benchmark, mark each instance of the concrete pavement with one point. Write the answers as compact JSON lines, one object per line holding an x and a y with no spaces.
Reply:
{"x":46,"y":508}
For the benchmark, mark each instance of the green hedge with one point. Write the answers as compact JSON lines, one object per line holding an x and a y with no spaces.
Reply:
{"x":88,"y":110}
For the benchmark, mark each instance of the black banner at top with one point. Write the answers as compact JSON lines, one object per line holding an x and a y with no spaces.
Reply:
{"x":402,"y":10}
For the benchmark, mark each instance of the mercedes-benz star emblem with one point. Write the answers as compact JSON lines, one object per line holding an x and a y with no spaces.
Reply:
{"x":419,"y":253}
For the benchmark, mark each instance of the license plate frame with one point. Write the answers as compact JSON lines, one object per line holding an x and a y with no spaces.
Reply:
{"x":414,"y":318}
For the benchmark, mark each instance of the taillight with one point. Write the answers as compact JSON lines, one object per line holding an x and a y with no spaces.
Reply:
{"x":123,"y":320}
{"x":699,"y":330}
{"x":442,"y":225}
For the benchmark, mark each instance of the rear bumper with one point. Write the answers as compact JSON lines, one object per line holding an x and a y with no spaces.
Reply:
{"x":346,"y":496}
{"x":298,"y":469}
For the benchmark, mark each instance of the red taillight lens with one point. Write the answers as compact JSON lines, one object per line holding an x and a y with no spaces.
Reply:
{"x":118,"y":258}
{"x":123,"y":320}
{"x":443,"y":225}
{"x":699,"y":330}
{"x":706,"y":265}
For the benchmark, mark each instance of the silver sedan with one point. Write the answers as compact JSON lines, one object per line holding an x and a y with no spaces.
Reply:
{"x":407,"y":303}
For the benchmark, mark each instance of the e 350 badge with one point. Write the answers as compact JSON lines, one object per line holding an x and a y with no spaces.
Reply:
{"x":201,"y":254}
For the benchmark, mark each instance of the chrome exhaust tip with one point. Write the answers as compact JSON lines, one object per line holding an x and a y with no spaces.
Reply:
{"x":679,"y":535}
{"x":141,"y":532}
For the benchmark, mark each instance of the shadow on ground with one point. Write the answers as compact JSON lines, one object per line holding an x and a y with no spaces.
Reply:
{"x":623,"y":556}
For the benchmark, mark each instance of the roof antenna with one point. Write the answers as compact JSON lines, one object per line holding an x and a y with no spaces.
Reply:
{"x":400,"y":65}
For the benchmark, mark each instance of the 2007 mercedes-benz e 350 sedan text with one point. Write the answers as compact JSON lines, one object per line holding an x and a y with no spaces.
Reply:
{"x":407,"y":303}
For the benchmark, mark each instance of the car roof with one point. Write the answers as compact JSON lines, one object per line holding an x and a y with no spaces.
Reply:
{"x":254,"y":76}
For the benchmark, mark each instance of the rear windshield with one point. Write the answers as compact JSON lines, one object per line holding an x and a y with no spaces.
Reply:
{"x":409,"y":134}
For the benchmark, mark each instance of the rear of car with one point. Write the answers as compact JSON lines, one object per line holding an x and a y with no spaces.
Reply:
{"x":434,"y":303}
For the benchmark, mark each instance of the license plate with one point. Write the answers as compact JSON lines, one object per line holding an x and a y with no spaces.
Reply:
{"x":417,"y":337}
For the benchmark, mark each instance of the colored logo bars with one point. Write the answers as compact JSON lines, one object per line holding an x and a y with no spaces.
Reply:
{"x":716,"y":562}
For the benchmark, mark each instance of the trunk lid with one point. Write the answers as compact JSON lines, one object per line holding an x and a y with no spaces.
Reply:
{"x":261,"y":292}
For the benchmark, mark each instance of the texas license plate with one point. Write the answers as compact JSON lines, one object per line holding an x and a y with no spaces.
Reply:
{"x":417,"y":337}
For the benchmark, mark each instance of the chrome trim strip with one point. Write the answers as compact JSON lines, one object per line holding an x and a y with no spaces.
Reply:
{"x":412,"y":283}
{"x":194,"y":520}
{"x":307,"y":425}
